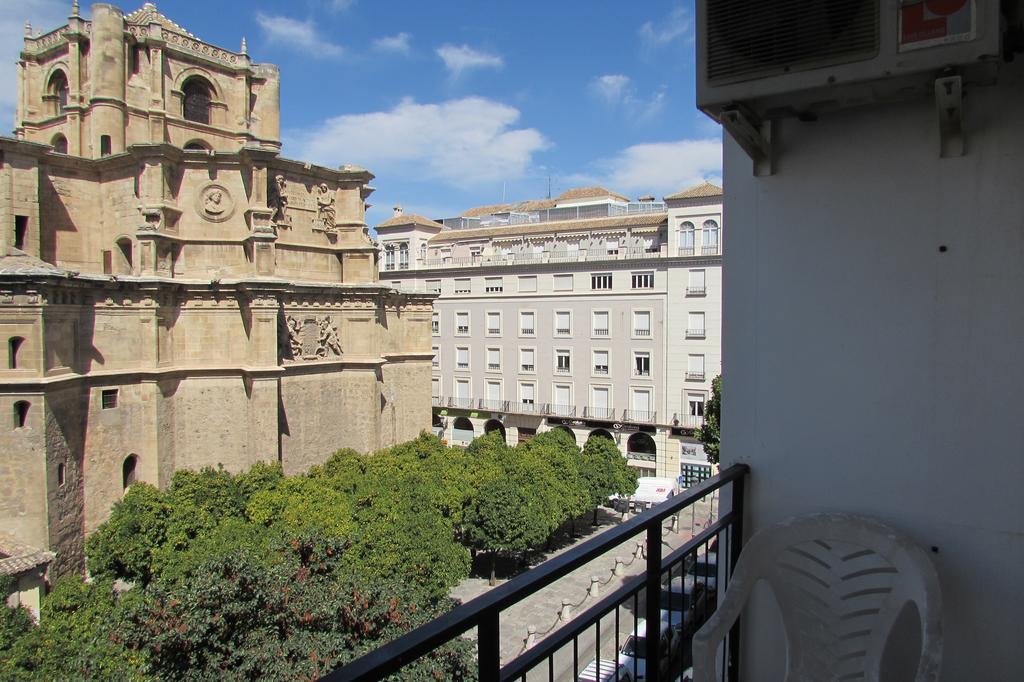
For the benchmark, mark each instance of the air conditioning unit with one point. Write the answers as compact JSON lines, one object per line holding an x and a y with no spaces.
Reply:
{"x":781,"y":58}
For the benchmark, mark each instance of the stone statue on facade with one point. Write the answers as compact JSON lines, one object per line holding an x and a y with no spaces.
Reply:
{"x":325,"y":207}
{"x":328,"y":340}
{"x":278,"y":200}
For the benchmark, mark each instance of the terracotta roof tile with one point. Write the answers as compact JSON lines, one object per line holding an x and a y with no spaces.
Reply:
{"x":638,"y":220}
{"x":589,"y":193}
{"x":702,"y":191}
{"x":410,"y":219}
{"x":17,"y":557}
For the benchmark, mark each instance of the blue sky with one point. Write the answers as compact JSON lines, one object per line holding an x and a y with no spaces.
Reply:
{"x":453,"y":103}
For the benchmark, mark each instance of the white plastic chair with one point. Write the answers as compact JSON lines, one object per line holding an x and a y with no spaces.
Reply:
{"x":841,"y":582}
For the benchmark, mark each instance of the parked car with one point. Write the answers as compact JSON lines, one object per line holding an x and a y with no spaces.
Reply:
{"x":632,"y":654}
{"x":705,"y":571}
{"x":686,"y":600}
{"x":605,"y":670}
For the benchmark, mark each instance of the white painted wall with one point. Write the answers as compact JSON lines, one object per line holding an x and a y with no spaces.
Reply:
{"x":865,"y":371}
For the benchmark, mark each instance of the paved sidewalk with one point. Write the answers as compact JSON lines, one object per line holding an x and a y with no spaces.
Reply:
{"x":541,"y":610}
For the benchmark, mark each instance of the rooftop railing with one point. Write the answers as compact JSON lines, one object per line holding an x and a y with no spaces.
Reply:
{"x":542,"y":257}
{"x":706,"y":562}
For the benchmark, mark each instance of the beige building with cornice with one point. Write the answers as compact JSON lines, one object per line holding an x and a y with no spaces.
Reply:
{"x":173,"y":293}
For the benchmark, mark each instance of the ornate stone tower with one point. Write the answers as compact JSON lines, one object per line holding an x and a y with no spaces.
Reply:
{"x":173,"y":293}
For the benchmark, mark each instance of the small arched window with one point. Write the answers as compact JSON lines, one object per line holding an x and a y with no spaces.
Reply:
{"x":124,"y":247}
{"x":21,"y":413}
{"x":686,"y":233}
{"x":128,"y":471}
{"x":710,"y":237}
{"x":197,"y":146}
{"x":13,"y":347}
{"x":58,"y":89}
{"x":60,"y":144}
{"x":61,"y":474}
{"x":197,"y":97}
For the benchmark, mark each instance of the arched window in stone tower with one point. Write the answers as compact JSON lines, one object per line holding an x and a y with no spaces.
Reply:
{"x":128,"y":471}
{"x":197,"y":96}
{"x":60,"y":144}
{"x":58,"y":89}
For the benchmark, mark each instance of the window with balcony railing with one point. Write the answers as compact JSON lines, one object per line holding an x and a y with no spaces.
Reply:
{"x":695,"y":333}
{"x":562,"y":362}
{"x":642,"y":364}
{"x":696,"y":290}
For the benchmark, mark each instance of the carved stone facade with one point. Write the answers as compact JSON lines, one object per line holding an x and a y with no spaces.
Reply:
{"x":163,"y":307}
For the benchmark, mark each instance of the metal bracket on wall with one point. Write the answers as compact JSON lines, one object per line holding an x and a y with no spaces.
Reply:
{"x":753,"y":135}
{"x":949,"y":101}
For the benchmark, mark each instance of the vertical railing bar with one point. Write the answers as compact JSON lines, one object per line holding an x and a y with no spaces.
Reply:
{"x":489,"y":646}
{"x":737,"y":530}
{"x":636,"y":611}
{"x":597,"y":644}
{"x":653,"y":610}
{"x":575,"y":656}
{"x":551,"y":667}
{"x":617,"y":643}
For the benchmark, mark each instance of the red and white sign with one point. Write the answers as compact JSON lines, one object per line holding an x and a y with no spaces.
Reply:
{"x":924,"y":23}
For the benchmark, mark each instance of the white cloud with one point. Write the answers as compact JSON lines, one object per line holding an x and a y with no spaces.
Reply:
{"x":610,"y":87}
{"x":459,"y":58}
{"x":299,"y":35}
{"x":461,"y":142}
{"x":398,"y":43}
{"x":45,"y":15}
{"x":659,"y":167}
{"x":617,"y":90}
{"x":677,"y":24}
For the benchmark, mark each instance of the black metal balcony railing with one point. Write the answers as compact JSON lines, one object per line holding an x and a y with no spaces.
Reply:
{"x":600,"y":369}
{"x":560,"y":410}
{"x":641,"y":332}
{"x":696,"y":291}
{"x":641,"y":371}
{"x":599,"y":412}
{"x":695,"y":376}
{"x":463,"y":329}
{"x":493,"y":366}
{"x":695,"y":333}
{"x":438,"y":401}
{"x":582,"y":636}
{"x":494,"y":331}
{"x":526,"y":368}
{"x":709,"y":249}
{"x":685,"y":250}
{"x":640,"y":416}
{"x":462,"y":365}
{"x":461,"y":403}
{"x":526,"y":331}
{"x":600,"y":332}
{"x":435,"y":329}
{"x":493,"y":405}
{"x":563,"y":331}
{"x":524,"y":407}
{"x":562,"y":369}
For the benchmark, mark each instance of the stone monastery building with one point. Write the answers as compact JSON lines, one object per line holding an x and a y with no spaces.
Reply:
{"x":173,"y":293}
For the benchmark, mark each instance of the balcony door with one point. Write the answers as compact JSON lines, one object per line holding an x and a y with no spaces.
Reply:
{"x":600,"y":401}
{"x":562,"y":396}
{"x":642,"y":402}
{"x":493,"y":393}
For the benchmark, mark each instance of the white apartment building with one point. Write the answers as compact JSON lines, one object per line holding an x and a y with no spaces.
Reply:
{"x":588,"y":312}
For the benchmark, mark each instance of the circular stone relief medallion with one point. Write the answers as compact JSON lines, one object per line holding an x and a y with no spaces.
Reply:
{"x":215,"y":203}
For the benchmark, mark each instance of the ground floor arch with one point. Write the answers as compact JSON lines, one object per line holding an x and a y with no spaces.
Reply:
{"x":601,"y":433}
{"x":566,"y":429}
{"x":641,"y":444}
{"x":462,"y":431}
{"x":495,"y":425}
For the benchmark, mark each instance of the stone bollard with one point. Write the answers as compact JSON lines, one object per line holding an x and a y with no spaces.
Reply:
{"x":595,"y":586}
{"x":639,"y":553}
{"x":620,"y":567}
{"x":565,"y":615}
{"x":675,"y":523}
{"x":531,"y":636}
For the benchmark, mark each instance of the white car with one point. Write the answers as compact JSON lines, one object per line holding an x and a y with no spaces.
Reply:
{"x":683,"y":598}
{"x":705,"y":571}
{"x":634,"y":649}
{"x":605,"y":671}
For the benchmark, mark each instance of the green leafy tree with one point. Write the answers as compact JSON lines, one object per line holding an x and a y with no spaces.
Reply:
{"x":126,"y":544}
{"x":556,"y":452}
{"x":77,"y":637}
{"x":506,"y":519}
{"x":710,"y":433}
{"x":605,"y":472}
{"x":299,"y":618}
{"x":15,"y":623}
